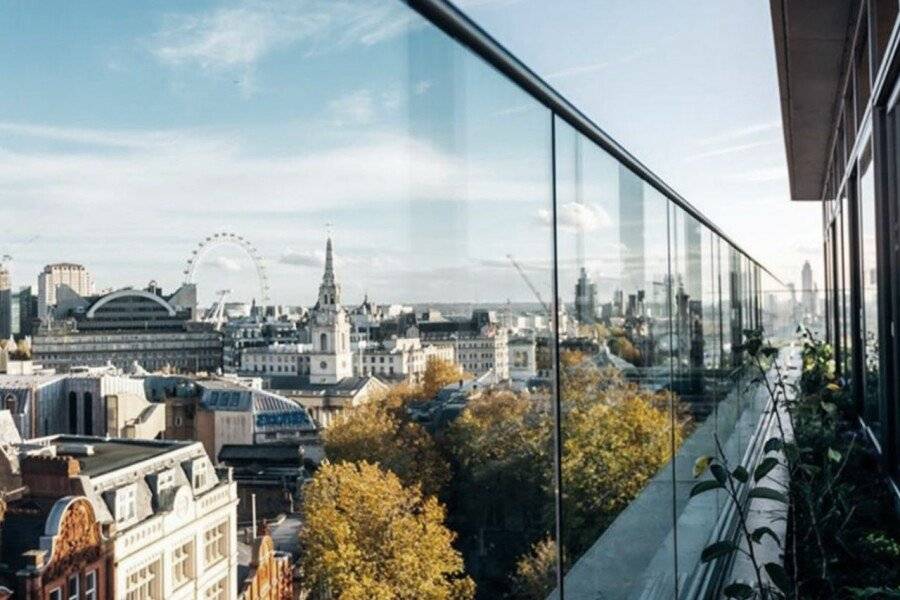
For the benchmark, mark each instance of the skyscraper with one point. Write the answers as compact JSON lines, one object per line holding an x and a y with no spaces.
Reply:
{"x":585,"y":299}
{"x":807,"y":290}
{"x":74,"y":276}
{"x":6,"y":328}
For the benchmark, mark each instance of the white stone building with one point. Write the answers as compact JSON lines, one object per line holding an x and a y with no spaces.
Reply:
{"x":171,"y":517}
{"x":75,"y":277}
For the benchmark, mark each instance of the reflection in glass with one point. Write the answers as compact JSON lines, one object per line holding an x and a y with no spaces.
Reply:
{"x":872,"y":369}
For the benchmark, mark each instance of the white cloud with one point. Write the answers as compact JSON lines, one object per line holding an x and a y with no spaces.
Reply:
{"x":421,"y":87}
{"x":741,"y":133}
{"x":354,"y":108}
{"x":235,"y":37}
{"x":730,"y":149}
{"x":761,"y":175}
{"x":577,"y":217}
{"x":306,"y":258}
{"x":224,"y":263}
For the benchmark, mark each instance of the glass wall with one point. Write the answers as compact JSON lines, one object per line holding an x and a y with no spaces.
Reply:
{"x":530,"y":337}
{"x":871,"y":385}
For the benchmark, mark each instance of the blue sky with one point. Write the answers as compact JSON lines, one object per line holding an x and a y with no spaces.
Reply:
{"x":130,"y":131}
{"x":690,"y":88}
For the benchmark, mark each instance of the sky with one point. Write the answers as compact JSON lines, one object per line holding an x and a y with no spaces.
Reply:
{"x":129,"y":132}
{"x":690,"y":88}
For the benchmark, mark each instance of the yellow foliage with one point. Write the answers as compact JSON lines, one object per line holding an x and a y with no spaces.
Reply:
{"x":374,"y":432}
{"x":439,"y":373}
{"x":535,"y":575}
{"x":367,"y":537}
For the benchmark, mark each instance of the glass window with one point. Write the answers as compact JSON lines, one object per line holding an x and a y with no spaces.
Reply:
{"x":90,"y":585}
{"x":73,"y":587}
{"x":183,"y":563}
{"x":144,"y":583}
{"x":869,"y":277}
{"x":216,"y":591}
{"x":215,"y":543}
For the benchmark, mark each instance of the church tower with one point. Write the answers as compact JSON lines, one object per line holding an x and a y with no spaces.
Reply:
{"x":331,"y":358}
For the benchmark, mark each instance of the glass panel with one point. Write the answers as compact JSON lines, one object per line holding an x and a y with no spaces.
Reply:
{"x":384,"y":178}
{"x":613,"y":273}
{"x":871,"y":362}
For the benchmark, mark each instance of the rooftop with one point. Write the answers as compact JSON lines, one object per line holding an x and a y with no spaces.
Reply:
{"x":112,"y":454}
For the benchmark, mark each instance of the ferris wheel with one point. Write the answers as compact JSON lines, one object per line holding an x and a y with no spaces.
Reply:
{"x":224,"y":238}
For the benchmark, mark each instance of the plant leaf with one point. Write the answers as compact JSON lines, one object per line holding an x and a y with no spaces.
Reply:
{"x":705,"y":486}
{"x":773,"y":444}
{"x":778,"y":576}
{"x":738,"y":590}
{"x":740,"y":473}
{"x":714,"y":551}
{"x":834,"y":455}
{"x":763,"y":468}
{"x":719,"y":472}
{"x":761,"y":532}
{"x":701,"y":464}
{"x":768,"y":494}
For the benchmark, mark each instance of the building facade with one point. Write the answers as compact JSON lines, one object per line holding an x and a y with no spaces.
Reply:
{"x":167,"y":517}
{"x":841,"y":119}
{"x":75,"y":278}
{"x":6,"y":304}
{"x":129,"y":329}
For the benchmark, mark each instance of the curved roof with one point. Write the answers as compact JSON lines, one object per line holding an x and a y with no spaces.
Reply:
{"x":126,"y":293}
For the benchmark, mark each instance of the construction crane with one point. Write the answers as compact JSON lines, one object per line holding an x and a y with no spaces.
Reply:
{"x":530,"y":285}
{"x":216,"y":314}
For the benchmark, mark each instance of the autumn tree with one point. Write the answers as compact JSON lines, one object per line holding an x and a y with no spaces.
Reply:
{"x":501,"y":446}
{"x":535,"y":574}
{"x":366,"y":536}
{"x":374,"y":432}
{"x":438,"y":374}
{"x":615,"y":437}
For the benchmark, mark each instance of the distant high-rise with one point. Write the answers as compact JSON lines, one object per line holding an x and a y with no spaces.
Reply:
{"x":71,"y":275}
{"x":25,"y":311}
{"x":6,"y":323}
{"x":807,"y":290}
{"x":585,"y":299}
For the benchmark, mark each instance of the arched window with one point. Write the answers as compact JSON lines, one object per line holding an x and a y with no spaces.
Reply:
{"x":323,"y":342}
{"x":73,"y":412}
{"x":88,"y":413}
{"x":9,"y":403}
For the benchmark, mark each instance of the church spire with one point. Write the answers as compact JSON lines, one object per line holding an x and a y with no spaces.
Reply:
{"x":329,"y":291}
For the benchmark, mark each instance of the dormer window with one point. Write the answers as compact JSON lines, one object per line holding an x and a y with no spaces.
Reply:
{"x":126,"y":498}
{"x":198,"y":474}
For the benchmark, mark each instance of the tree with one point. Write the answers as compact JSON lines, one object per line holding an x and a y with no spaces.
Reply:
{"x":367,"y":537}
{"x":535,"y":574}
{"x":374,"y":432}
{"x":439,"y":373}
{"x":616,"y":436}
{"x":501,"y":446}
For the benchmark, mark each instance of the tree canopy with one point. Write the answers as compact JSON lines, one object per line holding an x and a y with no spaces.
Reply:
{"x":366,"y":536}
{"x":374,"y":432}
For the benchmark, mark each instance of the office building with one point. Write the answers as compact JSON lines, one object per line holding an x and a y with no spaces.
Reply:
{"x":74,"y":278}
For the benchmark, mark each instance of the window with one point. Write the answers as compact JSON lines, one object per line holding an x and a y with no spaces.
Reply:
{"x":215,"y":545}
{"x":216,"y":591}
{"x":55,"y":594}
{"x":183,"y":564}
{"x":72,"y":587}
{"x":90,"y":585}
{"x":125,"y":503}
{"x":143,"y":583}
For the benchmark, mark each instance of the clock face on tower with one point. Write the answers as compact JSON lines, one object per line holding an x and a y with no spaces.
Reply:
{"x":323,"y":365}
